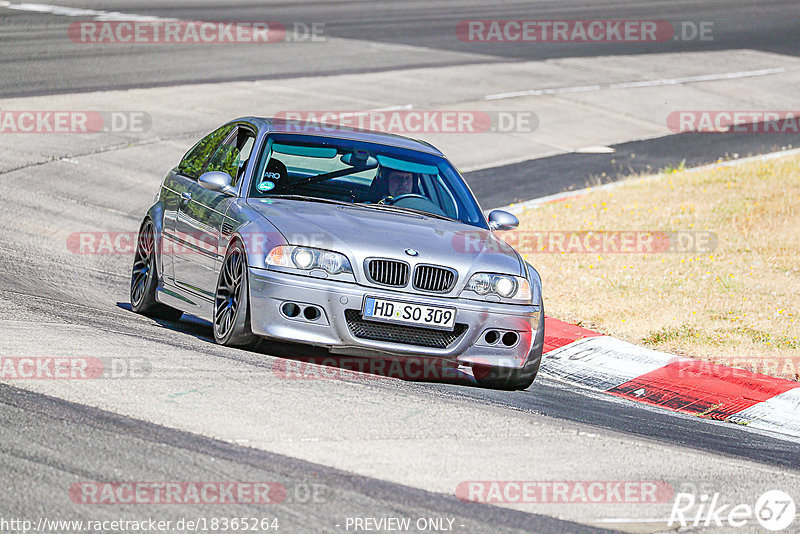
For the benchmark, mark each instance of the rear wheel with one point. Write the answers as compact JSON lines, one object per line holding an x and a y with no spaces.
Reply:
{"x":515,"y":379}
{"x":231,"y":303}
{"x":144,"y":278}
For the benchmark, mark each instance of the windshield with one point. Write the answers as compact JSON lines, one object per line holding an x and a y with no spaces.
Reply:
{"x":380,"y":176}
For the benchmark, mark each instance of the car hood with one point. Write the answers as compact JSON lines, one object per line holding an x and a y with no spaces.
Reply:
{"x":362,"y":232}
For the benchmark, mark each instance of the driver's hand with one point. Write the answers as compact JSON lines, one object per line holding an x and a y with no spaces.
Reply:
{"x":386,"y":200}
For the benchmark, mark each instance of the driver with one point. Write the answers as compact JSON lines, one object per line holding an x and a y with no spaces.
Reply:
{"x":391,"y":183}
{"x":399,"y":183}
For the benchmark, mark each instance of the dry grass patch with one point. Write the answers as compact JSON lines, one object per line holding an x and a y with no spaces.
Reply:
{"x":735,"y":305}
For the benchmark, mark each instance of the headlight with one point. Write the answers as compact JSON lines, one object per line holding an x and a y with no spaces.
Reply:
{"x":507,"y":287}
{"x":480,"y":283}
{"x":305,"y":259}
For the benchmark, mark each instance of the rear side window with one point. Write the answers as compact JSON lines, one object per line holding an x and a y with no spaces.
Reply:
{"x":193,"y":162}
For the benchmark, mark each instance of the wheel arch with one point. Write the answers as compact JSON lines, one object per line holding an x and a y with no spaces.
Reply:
{"x":257,"y":238}
{"x":536,"y":283}
{"x":156,"y":215}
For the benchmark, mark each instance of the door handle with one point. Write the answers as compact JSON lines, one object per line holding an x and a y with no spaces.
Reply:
{"x":186,"y":196}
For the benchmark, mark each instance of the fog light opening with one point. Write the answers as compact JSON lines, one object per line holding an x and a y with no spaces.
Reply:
{"x":311,"y":313}
{"x":491,"y":337}
{"x":510,"y":339}
{"x":290,"y":309}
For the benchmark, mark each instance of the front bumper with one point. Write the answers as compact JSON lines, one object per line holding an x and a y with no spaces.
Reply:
{"x":270,"y":290}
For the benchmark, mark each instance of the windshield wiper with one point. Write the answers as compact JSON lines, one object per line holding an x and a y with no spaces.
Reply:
{"x":408,"y":210}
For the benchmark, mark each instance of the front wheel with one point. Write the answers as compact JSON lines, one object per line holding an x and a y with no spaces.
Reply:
{"x":144,"y":278}
{"x":231,"y":303}
{"x":515,"y":379}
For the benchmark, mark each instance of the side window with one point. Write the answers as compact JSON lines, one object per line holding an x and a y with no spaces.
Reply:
{"x":245,"y":140}
{"x":233,"y":156}
{"x":193,"y":162}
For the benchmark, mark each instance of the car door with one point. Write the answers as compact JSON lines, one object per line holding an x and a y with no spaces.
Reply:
{"x":200,"y":216}
{"x":175,"y":191}
{"x":179,"y":185}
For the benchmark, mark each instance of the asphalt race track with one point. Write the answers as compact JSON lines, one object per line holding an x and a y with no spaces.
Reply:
{"x":183,"y":409}
{"x":36,"y":62}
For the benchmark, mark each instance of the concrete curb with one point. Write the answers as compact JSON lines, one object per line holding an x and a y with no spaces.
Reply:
{"x":685,"y":385}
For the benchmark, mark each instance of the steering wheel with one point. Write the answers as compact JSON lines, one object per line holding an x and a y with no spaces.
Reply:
{"x":417,"y":202}
{"x":397,"y":199}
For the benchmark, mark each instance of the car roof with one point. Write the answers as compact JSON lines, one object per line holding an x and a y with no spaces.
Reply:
{"x":272,"y":124}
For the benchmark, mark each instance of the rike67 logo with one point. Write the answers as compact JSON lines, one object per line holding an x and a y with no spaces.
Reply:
{"x":774,"y":510}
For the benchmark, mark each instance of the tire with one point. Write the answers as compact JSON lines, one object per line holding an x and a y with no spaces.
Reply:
{"x":144,"y":278}
{"x":515,"y":379}
{"x":231,"y":302}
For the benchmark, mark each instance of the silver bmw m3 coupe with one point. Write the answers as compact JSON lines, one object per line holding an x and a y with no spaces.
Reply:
{"x":364,"y":243}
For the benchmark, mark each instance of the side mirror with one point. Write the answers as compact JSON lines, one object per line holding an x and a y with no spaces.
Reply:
{"x":502,"y":220}
{"x":217,"y":181}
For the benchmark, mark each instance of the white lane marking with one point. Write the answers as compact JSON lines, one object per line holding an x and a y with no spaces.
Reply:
{"x":642,"y":83}
{"x":603,"y":362}
{"x":395,"y":108}
{"x":596,"y":149}
{"x":629,"y":520}
{"x":80,"y":12}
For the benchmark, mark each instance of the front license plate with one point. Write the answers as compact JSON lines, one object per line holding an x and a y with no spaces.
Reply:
{"x":395,"y":311}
